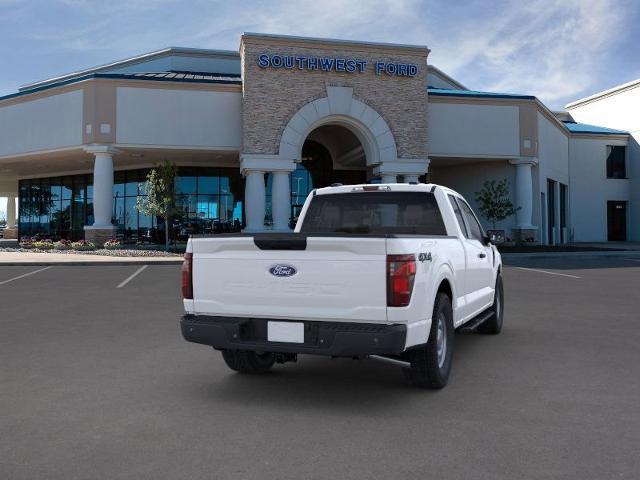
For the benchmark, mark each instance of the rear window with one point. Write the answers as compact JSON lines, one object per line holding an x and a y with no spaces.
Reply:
{"x":409,"y":213}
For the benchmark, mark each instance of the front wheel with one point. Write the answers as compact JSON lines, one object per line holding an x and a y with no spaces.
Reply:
{"x":431,"y":363}
{"x":245,"y":361}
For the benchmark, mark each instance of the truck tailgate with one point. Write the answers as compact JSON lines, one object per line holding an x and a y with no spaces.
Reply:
{"x":336,"y":278}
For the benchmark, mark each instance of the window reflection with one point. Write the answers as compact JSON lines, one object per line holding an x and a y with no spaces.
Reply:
{"x":301,"y":184}
{"x":208,"y":200}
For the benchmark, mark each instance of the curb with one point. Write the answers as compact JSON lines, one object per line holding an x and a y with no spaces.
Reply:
{"x":596,"y":254}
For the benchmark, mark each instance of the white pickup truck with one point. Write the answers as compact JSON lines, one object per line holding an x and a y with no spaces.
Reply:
{"x":371,"y":271}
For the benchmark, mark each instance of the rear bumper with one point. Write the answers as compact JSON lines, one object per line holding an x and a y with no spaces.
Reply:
{"x":338,"y":339}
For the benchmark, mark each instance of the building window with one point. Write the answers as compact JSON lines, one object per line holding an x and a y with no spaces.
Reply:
{"x":56,"y":207}
{"x":616,"y":161}
{"x":564,"y":201}
{"x":208,"y":200}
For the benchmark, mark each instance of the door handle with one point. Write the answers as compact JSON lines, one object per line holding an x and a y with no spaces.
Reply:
{"x":482,"y":255}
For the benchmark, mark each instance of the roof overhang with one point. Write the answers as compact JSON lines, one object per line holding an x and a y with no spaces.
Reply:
{"x":605,"y":93}
{"x":433,"y":69}
{"x":145,"y":57}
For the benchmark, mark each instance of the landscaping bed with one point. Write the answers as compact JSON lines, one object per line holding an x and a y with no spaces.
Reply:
{"x":111,"y":248}
{"x":121,"y":252}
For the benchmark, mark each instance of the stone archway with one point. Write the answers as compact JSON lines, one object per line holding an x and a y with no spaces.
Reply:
{"x":340,"y":108}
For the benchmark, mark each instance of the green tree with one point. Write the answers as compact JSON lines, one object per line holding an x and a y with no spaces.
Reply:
{"x":493,"y":201}
{"x":160,"y":199}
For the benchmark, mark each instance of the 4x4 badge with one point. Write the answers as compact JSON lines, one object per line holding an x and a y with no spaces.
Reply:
{"x":425,"y":256}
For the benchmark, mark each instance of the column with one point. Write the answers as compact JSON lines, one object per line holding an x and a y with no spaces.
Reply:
{"x":525,"y":230}
{"x":409,"y":169}
{"x":103,"y":190}
{"x":281,"y":200}
{"x":11,"y":212}
{"x":524,"y":195}
{"x":254,"y":166}
{"x":102,"y":228}
{"x":411,"y":178}
{"x":254,"y":200}
{"x":389,"y":178}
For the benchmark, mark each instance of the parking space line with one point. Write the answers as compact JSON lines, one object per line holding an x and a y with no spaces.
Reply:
{"x":25,"y":275}
{"x":132,"y":276}
{"x":548,"y":272}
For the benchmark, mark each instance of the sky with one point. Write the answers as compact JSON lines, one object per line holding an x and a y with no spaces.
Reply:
{"x":558,"y":50}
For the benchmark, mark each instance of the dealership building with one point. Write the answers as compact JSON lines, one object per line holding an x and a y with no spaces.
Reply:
{"x":254,"y":131}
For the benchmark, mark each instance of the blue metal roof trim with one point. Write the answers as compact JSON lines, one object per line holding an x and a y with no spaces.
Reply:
{"x":445,"y":92}
{"x":227,"y":79}
{"x":575,"y":127}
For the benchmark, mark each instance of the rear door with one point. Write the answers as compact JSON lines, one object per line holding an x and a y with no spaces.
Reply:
{"x":479,"y":277}
{"x":322,"y":278}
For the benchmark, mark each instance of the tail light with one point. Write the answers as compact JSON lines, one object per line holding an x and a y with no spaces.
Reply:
{"x":401,"y":273}
{"x":187,"y":276}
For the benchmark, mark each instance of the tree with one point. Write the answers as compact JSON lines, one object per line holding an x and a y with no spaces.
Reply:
{"x":160,"y":199}
{"x":493,"y":201}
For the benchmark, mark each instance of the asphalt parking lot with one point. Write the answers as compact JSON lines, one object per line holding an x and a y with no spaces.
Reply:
{"x":97,"y":382}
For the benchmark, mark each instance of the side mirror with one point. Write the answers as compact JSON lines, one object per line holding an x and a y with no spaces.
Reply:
{"x":495,"y":236}
{"x":486,"y":240}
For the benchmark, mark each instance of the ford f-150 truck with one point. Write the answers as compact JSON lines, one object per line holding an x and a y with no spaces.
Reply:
{"x":386,"y":272}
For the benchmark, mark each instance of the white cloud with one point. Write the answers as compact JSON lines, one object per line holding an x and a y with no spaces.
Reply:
{"x":382,"y":20}
{"x":553,"y":49}
{"x":550,"y":48}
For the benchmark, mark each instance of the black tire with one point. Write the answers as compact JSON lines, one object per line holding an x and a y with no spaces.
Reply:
{"x":493,"y":325}
{"x":245,"y":361}
{"x":426,"y":370}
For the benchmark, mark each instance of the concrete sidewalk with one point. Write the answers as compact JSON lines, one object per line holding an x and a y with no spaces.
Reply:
{"x":36,"y":259}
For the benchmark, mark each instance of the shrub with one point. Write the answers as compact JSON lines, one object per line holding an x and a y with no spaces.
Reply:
{"x":112,"y":244}
{"x":83,"y":245}
{"x":43,"y":244}
{"x":494,"y":203}
{"x":26,"y":242}
{"x":62,"y":245}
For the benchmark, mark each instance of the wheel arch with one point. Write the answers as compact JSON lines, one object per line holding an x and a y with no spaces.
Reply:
{"x":444,"y":281}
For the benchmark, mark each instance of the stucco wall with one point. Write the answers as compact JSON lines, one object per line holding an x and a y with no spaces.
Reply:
{"x":553,"y":158}
{"x":8,"y":185}
{"x":590,"y":189}
{"x":620,"y":111}
{"x":197,"y":118}
{"x":42,"y":124}
{"x":467,"y":179}
{"x":465,"y":129}
{"x":271,"y":96}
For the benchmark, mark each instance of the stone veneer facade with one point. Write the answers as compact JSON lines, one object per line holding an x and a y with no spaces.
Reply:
{"x":272,"y":96}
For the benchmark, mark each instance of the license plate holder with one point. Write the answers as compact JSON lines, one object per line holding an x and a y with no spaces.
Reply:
{"x":285,"y":332}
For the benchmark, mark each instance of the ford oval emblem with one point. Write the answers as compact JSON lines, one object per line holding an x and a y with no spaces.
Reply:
{"x":282,"y":270}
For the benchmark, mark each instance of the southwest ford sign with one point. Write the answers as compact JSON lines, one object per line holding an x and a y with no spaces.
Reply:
{"x":335,"y":64}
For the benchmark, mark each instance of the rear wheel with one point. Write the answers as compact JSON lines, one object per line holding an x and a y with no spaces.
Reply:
{"x":245,"y":361}
{"x":493,"y":325}
{"x":431,"y":363}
